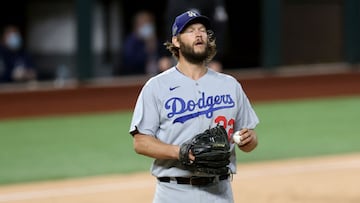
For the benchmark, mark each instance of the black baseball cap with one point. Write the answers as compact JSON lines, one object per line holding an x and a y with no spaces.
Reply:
{"x":188,"y":18}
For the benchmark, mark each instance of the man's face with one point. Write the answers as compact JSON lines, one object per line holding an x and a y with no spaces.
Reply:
{"x":194,"y":43}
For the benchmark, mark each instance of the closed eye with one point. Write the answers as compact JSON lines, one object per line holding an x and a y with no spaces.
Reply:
{"x":193,"y":30}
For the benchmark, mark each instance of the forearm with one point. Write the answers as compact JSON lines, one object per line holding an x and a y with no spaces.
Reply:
{"x":152,"y":147}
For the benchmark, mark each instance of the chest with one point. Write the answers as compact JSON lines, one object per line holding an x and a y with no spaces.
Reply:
{"x":184,"y":102}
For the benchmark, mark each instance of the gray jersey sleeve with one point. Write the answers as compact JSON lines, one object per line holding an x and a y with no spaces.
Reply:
{"x":246,"y":115}
{"x":145,"y":115}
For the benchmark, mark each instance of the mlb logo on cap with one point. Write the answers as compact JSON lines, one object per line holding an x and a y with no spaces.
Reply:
{"x":188,"y":18}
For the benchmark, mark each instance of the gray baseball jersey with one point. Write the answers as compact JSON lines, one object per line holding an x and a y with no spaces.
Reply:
{"x":173,"y":108}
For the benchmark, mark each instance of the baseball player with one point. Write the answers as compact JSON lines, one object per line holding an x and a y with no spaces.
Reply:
{"x":183,"y":101}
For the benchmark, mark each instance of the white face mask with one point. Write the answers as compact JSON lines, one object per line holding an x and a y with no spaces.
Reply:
{"x":14,"y":41}
{"x":146,"y":31}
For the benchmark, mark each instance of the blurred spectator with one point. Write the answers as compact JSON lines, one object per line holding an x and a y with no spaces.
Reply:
{"x":15,"y":63}
{"x":214,"y":9}
{"x":141,"y":46}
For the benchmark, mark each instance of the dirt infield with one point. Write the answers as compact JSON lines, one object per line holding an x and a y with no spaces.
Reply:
{"x":330,"y":179}
{"x":319,"y":180}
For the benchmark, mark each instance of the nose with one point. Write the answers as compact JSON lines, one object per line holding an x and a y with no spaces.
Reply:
{"x":199,"y":33}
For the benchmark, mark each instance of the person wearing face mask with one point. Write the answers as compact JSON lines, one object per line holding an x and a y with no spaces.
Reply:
{"x":140,"y":50}
{"x":15,"y":63}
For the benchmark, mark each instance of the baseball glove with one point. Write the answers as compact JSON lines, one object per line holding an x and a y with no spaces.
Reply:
{"x":211,"y":149}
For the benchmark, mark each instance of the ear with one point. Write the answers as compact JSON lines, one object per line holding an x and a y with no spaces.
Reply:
{"x":175,"y":41}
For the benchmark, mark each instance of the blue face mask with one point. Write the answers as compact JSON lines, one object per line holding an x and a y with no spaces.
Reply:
{"x":14,"y":41}
{"x":146,"y":31}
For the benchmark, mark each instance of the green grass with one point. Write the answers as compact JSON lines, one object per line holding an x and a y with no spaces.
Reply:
{"x":61,"y":147}
{"x":86,"y":145}
{"x":306,"y":128}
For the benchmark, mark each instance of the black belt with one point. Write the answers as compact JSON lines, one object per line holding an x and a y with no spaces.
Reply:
{"x":194,"y":180}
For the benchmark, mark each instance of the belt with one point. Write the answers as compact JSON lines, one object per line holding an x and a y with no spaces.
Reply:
{"x":194,"y":180}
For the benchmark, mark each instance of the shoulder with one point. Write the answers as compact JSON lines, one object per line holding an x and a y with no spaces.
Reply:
{"x":3,"y":50}
{"x":157,"y":85}
{"x":223,"y":76}
{"x":224,"y":81}
{"x":131,"y":39}
{"x":163,"y":77}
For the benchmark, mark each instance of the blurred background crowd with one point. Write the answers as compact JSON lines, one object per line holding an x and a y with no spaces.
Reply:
{"x":86,"y":39}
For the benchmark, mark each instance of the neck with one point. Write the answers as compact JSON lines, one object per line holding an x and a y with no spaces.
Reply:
{"x":193,"y":71}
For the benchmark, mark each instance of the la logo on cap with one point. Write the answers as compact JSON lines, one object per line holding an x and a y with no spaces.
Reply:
{"x":191,"y":14}
{"x":187,"y":17}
